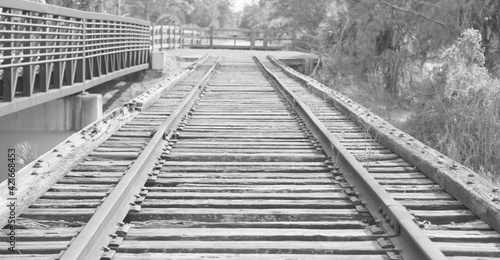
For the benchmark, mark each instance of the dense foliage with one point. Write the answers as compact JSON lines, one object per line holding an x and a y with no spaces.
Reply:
{"x":462,"y":115}
{"x":202,"y":13}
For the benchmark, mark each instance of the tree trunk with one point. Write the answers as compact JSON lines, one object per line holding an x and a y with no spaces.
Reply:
{"x":390,"y":74}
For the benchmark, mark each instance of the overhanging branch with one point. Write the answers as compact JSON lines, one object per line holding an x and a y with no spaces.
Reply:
{"x":414,"y":13}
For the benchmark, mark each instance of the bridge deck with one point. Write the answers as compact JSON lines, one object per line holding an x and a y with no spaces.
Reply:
{"x":246,"y":161}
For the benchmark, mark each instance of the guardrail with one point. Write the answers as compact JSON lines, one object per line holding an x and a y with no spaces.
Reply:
{"x":307,"y":43}
{"x":169,"y":37}
{"x":48,"y":52}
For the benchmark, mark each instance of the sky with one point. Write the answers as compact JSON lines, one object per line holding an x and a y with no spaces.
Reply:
{"x":239,"y":4}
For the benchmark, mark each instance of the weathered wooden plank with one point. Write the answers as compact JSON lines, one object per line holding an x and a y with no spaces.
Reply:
{"x":86,"y":180}
{"x":115,"y":154}
{"x":422,"y":196}
{"x":476,"y":225}
{"x":249,"y":234}
{"x":247,"y":157}
{"x":287,"y":181}
{"x":242,"y":142}
{"x":375,"y":169}
{"x":417,"y":175}
{"x":432,"y":204}
{"x":391,"y":182}
{"x":304,"y":247}
{"x":445,"y":216}
{"x":94,"y":174}
{"x":73,"y":195}
{"x":66,"y":203}
{"x":29,"y":257}
{"x":67,"y":214}
{"x":137,"y":140}
{"x":245,"y":114}
{"x":107,"y":163}
{"x":335,"y":224}
{"x":30,"y":247}
{"x":81,"y":188}
{"x":143,"y":134}
{"x":244,"y":168}
{"x":247,"y":203}
{"x":241,"y":195}
{"x":182,"y":163}
{"x":249,"y":136}
{"x":469,"y":249}
{"x":248,"y":188}
{"x":244,"y":150}
{"x":117,"y":149}
{"x":114,"y":144}
{"x":267,"y":175}
{"x":260,"y":215}
{"x":413,"y":188}
{"x":285,"y":147}
{"x":88,"y":168}
{"x":32,"y":234}
{"x":461,"y":236}
{"x":375,"y":157}
{"x":225,"y":256}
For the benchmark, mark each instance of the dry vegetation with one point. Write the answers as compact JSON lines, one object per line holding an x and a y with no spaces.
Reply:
{"x":452,"y":104}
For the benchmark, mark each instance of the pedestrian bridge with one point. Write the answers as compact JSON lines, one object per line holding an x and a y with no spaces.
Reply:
{"x":48,"y":52}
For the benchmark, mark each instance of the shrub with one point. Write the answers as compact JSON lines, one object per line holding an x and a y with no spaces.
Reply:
{"x":462,"y":115}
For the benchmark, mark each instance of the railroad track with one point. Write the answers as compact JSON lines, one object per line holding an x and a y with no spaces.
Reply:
{"x":454,"y":229}
{"x":239,"y":162}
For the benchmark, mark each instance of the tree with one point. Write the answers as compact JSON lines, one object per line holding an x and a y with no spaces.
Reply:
{"x":158,"y":11}
{"x":285,"y":14}
{"x":385,"y":35}
{"x":301,"y":15}
{"x":484,"y":16}
{"x":84,"y":5}
{"x":226,"y":14}
{"x":257,"y":16}
{"x":208,"y":13}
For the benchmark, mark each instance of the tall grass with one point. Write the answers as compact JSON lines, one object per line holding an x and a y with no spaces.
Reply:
{"x":27,"y":151}
{"x":462,"y":115}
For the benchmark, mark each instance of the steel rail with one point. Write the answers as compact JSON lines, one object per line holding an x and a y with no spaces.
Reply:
{"x":94,"y":236}
{"x":415,"y":243}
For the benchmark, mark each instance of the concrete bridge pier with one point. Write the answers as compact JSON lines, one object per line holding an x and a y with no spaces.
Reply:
{"x":70,"y":113}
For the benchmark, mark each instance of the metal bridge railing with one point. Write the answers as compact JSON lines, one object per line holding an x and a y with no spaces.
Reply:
{"x":47,"y":52}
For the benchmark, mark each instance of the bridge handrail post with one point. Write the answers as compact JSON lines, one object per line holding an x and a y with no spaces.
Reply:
{"x":9,"y":79}
{"x":84,"y":52}
{"x":181,"y":37}
{"x":169,"y":41}
{"x":153,"y":34}
{"x":265,"y":38}
{"x":252,"y":39}
{"x":173,"y":36}
{"x":161,"y":37}
{"x":211,"y":37}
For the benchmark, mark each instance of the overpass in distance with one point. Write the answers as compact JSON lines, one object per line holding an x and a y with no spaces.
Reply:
{"x":237,"y":156}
